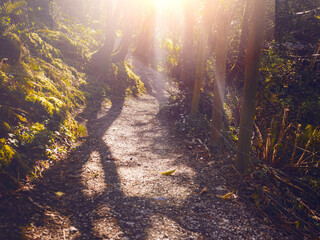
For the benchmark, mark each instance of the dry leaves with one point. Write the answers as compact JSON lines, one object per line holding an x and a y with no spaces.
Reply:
{"x":228,"y":196}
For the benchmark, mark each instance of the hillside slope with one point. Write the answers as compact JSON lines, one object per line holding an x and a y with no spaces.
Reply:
{"x":43,"y":82}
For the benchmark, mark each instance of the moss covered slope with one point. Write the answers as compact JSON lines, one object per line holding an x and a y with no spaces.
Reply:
{"x":42,"y":83}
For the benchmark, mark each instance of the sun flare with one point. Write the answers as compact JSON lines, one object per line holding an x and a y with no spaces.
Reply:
{"x":163,"y":5}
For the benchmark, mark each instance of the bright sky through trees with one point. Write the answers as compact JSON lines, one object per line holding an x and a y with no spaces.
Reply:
{"x":162,"y":5}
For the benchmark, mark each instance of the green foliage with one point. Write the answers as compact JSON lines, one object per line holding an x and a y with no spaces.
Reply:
{"x":126,"y":82}
{"x":7,"y":153}
{"x":287,"y":135}
{"x":295,"y":25}
{"x":62,"y":42}
{"x":12,"y":14}
{"x":41,"y":84}
{"x":285,"y":86}
{"x":136,"y":86}
{"x":291,"y":142}
{"x":172,"y":52}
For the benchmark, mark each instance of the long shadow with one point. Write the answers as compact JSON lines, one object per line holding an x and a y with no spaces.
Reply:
{"x":130,"y":215}
{"x":205,"y":219}
{"x":153,"y":80}
{"x":62,"y":176}
{"x":122,"y":208}
{"x":81,"y":209}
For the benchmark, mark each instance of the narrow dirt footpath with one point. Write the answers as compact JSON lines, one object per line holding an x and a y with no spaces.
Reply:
{"x":110,"y":186}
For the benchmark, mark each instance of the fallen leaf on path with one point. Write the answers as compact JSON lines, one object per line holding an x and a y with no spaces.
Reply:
{"x":204,"y":190}
{"x":73,"y":230}
{"x":227,"y":196}
{"x":59,"y":194}
{"x":168,"y":173}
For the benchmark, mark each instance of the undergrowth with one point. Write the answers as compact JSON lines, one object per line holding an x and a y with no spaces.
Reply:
{"x":43,"y":84}
{"x":283,"y":178}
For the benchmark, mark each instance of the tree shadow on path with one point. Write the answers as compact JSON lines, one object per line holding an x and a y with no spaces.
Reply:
{"x":107,"y":212}
{"x":92,"y":215}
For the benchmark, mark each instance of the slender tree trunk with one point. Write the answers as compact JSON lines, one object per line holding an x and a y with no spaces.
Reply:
{"x":222,"y":24}
{"x":145,"y":44}
{"x":238,"y":68}
{"x":187,"y":69}
{"x":204,"y":33}
{"x":123,"y":47}
{"x":101,"y":60}
{"x":110,"y":34}
{"x":199,"y":72}
{"x":315,"y":55}
{"x":118,"y":11}
{"x":129,"y":18}
{"x":251,"y":84}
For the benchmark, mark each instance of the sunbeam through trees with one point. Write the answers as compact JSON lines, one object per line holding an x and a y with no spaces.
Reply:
{"x":159,"y":119}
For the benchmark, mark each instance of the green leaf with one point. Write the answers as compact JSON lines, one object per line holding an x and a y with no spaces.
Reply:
{"x":168,"y":173}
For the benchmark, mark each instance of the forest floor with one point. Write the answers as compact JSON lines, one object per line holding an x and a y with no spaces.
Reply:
{"x":110,"y":186}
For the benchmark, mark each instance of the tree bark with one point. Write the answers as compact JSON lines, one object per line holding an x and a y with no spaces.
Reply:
{"x":101,"y":60}
{"x":187,"y":69}
{"x":145,"y":47}
{"x":315,"y":55}
{"x":110,"y":33}
{"x":204,"y":33}
{"x":251,"y":84}
{"x":129,"y":18}
{"x":222,"y":24}
{"x":199,"y":72}
{"x":238,"y":68}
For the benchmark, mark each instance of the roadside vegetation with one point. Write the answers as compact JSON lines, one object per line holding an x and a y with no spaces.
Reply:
{"x":247,"y":73}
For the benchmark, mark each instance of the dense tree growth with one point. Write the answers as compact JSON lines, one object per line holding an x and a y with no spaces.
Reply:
{"x":260,"y":94}
{"x":46,"y":55}
{"x":256,"y":36}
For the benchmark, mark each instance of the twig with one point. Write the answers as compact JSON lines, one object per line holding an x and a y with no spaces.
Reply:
{"x":259,"y":134}
{"x":307,"y":207}
{"x":288,"y":211}
{"x":282,"y":133}
{"x":284,"y":150}
{"x":205,"y":146}
{"x":263,"y":165}
{"x":308,"y":143}
{"x":35,"y":203}
{"x":279,"y":142}
{"x":295,"y":145}
{"x":64,"y":234}
{"x":288,"y":183}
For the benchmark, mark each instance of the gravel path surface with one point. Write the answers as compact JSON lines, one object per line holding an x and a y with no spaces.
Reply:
{"x":112,"y":188}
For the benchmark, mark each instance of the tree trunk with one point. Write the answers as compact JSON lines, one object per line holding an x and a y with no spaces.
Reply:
{"x":110,"y":34}
{"x":145,"y":47}
{"x":187,"y":69}
{"x":101,"y":60}
{"x":251,"y":84}
{"x":315,"y":55}
{"x":129,"y":18}
{"x":124,"y":46}
{"x":222,"y":24}
{"x":238,"y":68}
{"x":200,"y":63}
{"x":199,"y":72}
